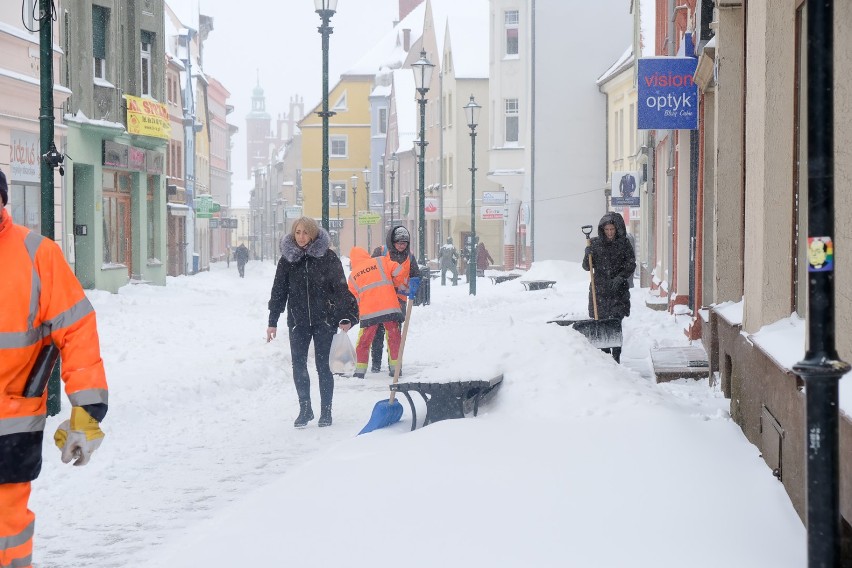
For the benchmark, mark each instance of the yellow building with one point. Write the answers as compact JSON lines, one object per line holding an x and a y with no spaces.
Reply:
{"x":349,"y":154}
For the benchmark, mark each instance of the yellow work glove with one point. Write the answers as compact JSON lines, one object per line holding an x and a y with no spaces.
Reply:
{"x":79,"y":437}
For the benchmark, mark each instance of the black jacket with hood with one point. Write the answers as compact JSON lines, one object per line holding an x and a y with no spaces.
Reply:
{"x":311,"y":284}
{"x":614,"y":263}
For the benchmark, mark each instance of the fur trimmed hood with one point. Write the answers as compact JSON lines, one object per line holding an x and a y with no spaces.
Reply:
{"x":292,"y":252}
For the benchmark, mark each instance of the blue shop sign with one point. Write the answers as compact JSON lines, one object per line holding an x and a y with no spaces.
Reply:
{"x":668,"y":95}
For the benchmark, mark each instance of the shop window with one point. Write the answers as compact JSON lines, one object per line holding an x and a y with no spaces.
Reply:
{"x":151,"y":218}
{"x":383,"y":121}
{"x":25,"y":205}
{"x":116,"y":219}
{"x":800,"y":179}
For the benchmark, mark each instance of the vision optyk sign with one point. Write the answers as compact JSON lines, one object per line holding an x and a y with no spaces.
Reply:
{"x":668,"y":95}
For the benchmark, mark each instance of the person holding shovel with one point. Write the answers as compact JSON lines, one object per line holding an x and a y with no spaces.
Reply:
{"x":614,"y":263}
{"x":374,"y":281}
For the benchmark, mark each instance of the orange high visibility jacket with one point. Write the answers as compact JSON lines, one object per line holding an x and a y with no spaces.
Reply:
{"x":40,"y":301}
{"x":373,"y":282}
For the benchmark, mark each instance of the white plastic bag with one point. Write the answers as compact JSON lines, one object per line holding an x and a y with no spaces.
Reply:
{"x":341,"y":358}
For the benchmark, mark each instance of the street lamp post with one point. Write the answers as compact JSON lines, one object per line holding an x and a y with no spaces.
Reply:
{"x":354,"y":180}
{"x":366,"y":173}
{"x":393,"y":162}
{"x":422,"y":77}
{"x":325,"y":9}
{"x":471,"y":110}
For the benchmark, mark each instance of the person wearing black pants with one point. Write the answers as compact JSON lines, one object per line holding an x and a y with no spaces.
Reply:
{"x":309,"y":281}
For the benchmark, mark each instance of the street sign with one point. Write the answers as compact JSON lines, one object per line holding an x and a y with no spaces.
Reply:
{"x":293,"y":212}
{"x":492,"y":213}
{"x":335,"y":223}
{"x":369,"y":218}
{"x":214,"y":223}
{"x":493,"y":197}
{"x":204,"y":206}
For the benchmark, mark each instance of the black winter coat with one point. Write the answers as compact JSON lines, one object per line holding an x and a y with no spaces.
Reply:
{"x":311,"y":284}
{"x":614,"y":263}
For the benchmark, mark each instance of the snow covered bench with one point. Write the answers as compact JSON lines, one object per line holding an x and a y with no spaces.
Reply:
{"x":451,"y":399}
{"x":503,"y":278}
{"x":538,"y":284}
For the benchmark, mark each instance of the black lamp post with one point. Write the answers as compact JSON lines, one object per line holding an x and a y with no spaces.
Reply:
{"x":393,"y":162}
{"x":366,"y":173}
{"x":354,"y":180}
{"x":821,"y":369}
{"x":422,"y":77}
{"x":471,"y":111}
{"x":325,"y":9}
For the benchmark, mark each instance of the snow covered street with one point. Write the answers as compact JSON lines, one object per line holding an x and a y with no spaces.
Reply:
{"x":577,"y":461}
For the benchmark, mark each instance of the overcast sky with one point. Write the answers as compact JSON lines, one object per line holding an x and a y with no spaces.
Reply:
{"x":279,"y":39}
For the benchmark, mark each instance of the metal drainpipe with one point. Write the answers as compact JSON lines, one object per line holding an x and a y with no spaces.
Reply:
{"x":671,"y":169}
{"x":531,"y":228}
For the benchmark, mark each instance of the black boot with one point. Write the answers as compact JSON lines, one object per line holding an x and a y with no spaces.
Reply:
{"x":306,"y":414}
{"x":325,"y":416}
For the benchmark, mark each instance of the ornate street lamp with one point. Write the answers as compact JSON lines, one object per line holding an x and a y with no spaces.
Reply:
{"x":354,"y":180}
{"x":471,"y":111}
{"x":394,"y":160}
{"x":325,"y":9}
{"x":422,"y":77}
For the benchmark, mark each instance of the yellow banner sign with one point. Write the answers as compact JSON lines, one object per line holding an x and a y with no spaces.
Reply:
{"x":369,"y":218}
{"x":147,"y":117}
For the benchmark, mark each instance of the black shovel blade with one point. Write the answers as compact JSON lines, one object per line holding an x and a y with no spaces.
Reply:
{"x":602,"y":334}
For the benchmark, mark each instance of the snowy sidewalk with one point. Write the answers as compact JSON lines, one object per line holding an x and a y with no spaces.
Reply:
{"x":576,"y":462}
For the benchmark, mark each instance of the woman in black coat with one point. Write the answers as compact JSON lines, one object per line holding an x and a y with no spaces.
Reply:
{"x":614,"y":263}
{"x":310,"y":282}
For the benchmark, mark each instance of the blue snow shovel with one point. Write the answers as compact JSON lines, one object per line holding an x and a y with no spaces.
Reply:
{"x":387,"y":412}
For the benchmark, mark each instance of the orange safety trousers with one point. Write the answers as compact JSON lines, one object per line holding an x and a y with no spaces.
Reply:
{"x":17,"y":525}
{"x":365,"y":340}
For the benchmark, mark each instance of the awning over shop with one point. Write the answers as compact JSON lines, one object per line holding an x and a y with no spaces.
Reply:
{"x":178,"y":209}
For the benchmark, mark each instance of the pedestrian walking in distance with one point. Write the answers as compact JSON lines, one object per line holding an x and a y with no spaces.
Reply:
{"x":310,"y":283}
{"x":241,"y":255}
{"x":449,"y":257}
{"x":42,"y":307}
{"x":483,"y":259}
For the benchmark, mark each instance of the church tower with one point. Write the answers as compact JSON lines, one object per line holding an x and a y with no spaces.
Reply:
{"x":258,"y":131}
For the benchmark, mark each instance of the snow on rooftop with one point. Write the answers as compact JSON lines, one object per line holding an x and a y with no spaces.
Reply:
{"x":388,"y":51}
{"x":623,"y":61}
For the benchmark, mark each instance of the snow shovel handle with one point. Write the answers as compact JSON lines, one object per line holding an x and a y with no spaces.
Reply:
{"x":408,"y":304}
{"x":587,"y":230}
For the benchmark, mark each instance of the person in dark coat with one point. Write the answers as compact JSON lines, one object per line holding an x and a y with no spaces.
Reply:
{"x":241,"y":255}
{"x":310,"y":282}
{"x":483,"y":259}
{"x":614,"y":263}
{"x":398,"y":249}
{"x":449,"y":261}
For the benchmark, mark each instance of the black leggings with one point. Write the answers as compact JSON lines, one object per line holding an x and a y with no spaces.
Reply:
{"x":300,"y":340}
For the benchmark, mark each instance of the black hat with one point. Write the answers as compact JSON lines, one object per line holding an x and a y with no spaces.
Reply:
{"x":400,"y":234}
{"x":4,"y":188}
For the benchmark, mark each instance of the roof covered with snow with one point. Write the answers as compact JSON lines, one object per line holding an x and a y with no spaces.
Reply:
{"x":625,"y":61}
{"x":388,"y":52}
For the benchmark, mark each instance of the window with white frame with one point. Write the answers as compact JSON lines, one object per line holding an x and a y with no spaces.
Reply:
{"x":100,"y":27}
{"x":146,"y":80}
{"x":512,"y":126}
{"x":632,"y":131}
{"x":383,"y":121}
{"x":341,"y":103}
{"x":338,"y":146}
{"x":511,"y":25}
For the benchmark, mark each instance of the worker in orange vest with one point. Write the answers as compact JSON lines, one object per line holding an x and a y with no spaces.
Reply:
{"x":373,"y":281}
{"x":43,"y":305}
